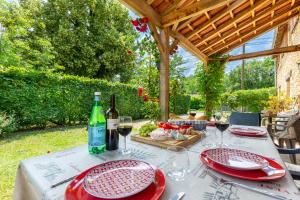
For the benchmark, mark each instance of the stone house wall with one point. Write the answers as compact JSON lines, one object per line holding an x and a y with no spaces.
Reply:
{"x":288,"y":64}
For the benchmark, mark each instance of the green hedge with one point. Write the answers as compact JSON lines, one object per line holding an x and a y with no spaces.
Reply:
{"x":36,"y":98}
{"x":179,"y":104}
{"x":197,"y":102}
{"x":249,"y":100}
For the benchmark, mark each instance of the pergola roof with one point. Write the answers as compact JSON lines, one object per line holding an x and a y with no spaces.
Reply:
{"x":206,"y":27}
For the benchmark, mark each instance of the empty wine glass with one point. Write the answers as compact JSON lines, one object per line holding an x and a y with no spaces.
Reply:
{"x":178,"y":162}
{"x":124,"y":128}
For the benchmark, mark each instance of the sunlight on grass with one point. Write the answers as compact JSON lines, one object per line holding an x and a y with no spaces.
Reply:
{"x":33,"y":143}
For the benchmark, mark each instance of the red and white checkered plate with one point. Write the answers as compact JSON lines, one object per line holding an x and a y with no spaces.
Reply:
{"x":236,"y":159}
{"x":118,"y":179}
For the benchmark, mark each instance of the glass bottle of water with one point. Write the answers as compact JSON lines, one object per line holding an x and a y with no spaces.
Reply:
{"x":97,"y":127}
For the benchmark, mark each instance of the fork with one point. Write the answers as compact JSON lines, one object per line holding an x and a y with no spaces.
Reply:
{"x":224,"y":182}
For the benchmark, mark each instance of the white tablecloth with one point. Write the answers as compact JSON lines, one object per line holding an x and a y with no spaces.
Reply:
{"x":36,"y":175}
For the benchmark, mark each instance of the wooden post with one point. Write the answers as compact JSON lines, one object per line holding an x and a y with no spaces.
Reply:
{"x":164,"y":75}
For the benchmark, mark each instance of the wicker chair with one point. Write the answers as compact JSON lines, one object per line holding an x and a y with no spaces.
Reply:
{"x":293,"y":169}
{"x":289,"y":135}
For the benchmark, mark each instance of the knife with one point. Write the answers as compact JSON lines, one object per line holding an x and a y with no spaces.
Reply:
{"x":177,"y":196}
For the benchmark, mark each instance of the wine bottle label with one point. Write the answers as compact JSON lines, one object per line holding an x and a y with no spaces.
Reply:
{"x":96,"y":135}
{"x":112,"y":124}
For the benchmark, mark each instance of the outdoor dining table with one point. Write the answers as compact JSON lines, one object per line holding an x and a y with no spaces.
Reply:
{"x":36,"y":175}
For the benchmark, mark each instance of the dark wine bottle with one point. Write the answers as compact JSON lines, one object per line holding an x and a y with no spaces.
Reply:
{"x":112,"y":121}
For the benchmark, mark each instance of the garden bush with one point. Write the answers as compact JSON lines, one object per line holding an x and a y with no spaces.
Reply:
{"x":248,"y":100}
{"x":36,"y":98}
{"x":197,"y":102}
{"x":7,"y":124}
{"x":179,"y":104}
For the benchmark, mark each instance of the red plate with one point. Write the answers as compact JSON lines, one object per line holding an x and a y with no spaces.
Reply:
{"x":118,"y":179}
{"x":254,"y":175}
{"x":76,"y":191}
{"x":251,"y":132}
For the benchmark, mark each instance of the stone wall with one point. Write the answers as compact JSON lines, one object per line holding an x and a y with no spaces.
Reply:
{"x":288,"y":64}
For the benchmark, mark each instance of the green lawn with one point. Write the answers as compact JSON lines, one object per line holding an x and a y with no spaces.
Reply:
{"x":33,"y":143}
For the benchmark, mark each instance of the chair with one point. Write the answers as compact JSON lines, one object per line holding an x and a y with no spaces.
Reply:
{"x":293,"y":169}
{"x":243,"y":118}
{"x":290,"y":133}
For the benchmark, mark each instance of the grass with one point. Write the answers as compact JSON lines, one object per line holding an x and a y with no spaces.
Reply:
{"x":24,"y":145}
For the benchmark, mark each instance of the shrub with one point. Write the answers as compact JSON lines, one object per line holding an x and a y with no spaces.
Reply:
{"x":36,"y":98}
{"x":179,"y":104}
{"x":197,"y":102}
{"x":151,"y":110}
{"x":248,"y":100}
{"x":7,"y":124}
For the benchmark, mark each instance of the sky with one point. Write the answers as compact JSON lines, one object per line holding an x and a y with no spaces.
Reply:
{"x":263,"y":42}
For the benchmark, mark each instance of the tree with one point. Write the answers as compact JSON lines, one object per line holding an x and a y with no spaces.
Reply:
{"x":258,"y":74}
{"x":87,"y":38}
{"x":23,"y":42}
{"x":91,"y":38}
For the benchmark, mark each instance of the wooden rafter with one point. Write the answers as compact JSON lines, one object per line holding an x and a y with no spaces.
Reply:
{"x":229,"y":23}
{"x":265,"y":53}
{"x":267,"y":12}
{"x":144,"y":9}
{"x":189,"y":46}
{"x":173,"y":45}
{"x":249,"y":36}
{"x":183,"y":24}
{"x":156,"y":37}
{"x":174,"y":6}
{"x":193,"y":10}
{"x":217,"y":17}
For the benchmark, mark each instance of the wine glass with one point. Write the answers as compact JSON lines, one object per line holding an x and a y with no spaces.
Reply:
{"x":222,"y":125}
{"x":124,"y":128}
{"x":193,"y":112}
{"x":178,"y":162}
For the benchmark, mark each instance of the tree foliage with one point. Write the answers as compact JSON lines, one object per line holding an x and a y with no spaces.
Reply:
{"x":23,"y":42}
{"x":258,"y":74}
{"x":211,"y":83}
{"x":87,"y":38}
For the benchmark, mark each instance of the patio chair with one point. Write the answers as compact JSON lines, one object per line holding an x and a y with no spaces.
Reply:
{"x":293,"y":169}
{"x":289,"y":135}
{"x":243,"y":118}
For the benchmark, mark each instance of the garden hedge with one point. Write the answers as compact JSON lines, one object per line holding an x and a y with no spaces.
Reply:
{"x":197,"y":102}
{"x":36,"y":97}
{"x":249,"y":100}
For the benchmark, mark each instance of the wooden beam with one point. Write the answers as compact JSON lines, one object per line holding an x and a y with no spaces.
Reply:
{"x":217,"y":17}
{"x":174,"y":6}
{"x":193,"y":10}
{"x":189,"y":46}
{"x":173,"y":45}
{"x":256,"y":18}
{"x":265,"y":53}
{"x":185,"y":23}
{"x":142,"y":8}
{"x":156,"y":37}
{"x":164,"y":74}
{"x":150,"y":1}
{"x":229,"y":23}
{"x":258,"y":33}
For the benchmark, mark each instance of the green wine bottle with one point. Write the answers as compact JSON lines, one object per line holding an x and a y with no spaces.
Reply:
{"x":97,"y":128}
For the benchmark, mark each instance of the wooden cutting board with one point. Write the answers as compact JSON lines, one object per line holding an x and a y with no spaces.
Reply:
{"x":170,"y":142}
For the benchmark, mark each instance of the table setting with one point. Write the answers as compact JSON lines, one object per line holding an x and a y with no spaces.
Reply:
{"x":179,"y":159}
{"x":199,"y":175}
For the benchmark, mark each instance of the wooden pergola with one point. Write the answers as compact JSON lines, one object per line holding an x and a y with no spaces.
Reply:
{"x":207,"y":27}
